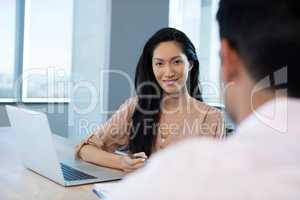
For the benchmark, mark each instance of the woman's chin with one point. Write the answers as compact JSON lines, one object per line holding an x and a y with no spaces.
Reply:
{"x":172,"y":89}
{"x":172,"y":92}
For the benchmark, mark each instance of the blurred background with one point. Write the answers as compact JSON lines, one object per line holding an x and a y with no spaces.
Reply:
{"x":75,"y":59}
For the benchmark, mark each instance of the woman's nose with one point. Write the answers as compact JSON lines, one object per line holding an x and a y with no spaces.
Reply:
{"x":169,"y":71}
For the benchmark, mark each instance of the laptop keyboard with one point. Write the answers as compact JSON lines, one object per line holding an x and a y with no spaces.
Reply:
{"x":71,"y":174}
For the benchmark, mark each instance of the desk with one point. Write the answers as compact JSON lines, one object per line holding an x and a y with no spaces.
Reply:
{"x":17,"y":182}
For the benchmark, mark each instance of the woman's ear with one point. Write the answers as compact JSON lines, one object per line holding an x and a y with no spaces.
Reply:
{"x":191,"y":65}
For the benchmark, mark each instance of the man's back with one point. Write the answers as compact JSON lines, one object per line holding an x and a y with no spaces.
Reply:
{"x":260,"y":162}
{"x":259,"y":51}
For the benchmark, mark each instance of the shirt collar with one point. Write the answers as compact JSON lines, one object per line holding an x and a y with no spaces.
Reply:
{"x":273,"y":115}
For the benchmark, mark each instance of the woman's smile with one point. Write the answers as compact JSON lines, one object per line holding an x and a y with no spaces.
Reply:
{"x":170,"y":82}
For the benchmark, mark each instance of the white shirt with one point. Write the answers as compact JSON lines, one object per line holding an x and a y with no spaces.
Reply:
{"x":261,"y":161}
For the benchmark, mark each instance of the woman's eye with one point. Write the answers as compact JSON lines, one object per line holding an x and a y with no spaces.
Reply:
{"x":177,"y":61}
{"x":158,"y":64}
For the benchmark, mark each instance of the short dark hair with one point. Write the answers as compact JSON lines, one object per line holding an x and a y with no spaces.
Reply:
{"x":265,"y":34}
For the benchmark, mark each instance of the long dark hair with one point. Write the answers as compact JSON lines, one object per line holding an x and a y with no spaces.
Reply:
{"x":147,"y":111}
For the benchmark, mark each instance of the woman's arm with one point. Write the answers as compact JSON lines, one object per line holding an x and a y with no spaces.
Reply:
{"x":97,"y":156}
{"x":99,"y":148}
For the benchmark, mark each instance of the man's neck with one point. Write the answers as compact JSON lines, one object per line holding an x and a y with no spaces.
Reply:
{"x":250,"y":103}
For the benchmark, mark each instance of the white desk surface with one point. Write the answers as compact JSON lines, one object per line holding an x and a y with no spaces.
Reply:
{"x":17,"y":182}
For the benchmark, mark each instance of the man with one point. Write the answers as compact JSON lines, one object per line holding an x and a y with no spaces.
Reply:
{"x":260,"y":43}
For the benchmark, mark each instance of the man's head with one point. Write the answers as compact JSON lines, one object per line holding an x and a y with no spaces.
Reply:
{"x":258,"y":39}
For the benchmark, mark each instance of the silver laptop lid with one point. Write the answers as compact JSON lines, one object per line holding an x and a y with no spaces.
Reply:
{"x":35,"y":142}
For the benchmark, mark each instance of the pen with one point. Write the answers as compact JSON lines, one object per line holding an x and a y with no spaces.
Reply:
{"x":98,"y":193}
{"x":132,"y":156}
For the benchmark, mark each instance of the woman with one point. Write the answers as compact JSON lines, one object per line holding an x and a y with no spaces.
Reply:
{"x":168,"y":107}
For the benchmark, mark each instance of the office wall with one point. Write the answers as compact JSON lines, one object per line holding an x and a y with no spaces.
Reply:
{"x":91,"y":39}
{"x":132,"y":23}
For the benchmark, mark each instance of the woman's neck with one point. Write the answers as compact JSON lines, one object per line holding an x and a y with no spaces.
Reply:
{"x":175,"y":102}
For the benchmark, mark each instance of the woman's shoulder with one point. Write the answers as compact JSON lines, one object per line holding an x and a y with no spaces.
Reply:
{"x":124,"y":112}
{"x":211,"y":117}
{"x":204,"y":107}
{"x":129,"y":104}
{"x":131,"y":101}
{"x":208,"y":112}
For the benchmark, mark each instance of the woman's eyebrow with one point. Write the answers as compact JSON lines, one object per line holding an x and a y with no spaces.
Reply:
{"x":160,"y":59}
{"x":173,"y":58}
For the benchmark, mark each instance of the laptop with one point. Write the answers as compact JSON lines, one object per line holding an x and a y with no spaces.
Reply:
{"x":38,"y":153}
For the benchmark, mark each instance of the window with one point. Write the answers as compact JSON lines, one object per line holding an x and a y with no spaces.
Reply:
{"x":7,"y":49}
{"x":47,"y":50}
{"x":36,"y":42}
{"x":196,"y":18}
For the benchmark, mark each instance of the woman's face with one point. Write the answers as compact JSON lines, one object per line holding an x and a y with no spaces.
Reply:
{"x":171,"y":67}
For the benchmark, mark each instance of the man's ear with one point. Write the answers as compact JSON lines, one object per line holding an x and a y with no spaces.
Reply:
{"x":230,"y":62}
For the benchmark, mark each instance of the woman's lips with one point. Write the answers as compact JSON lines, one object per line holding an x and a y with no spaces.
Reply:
{"x":170,"y":82}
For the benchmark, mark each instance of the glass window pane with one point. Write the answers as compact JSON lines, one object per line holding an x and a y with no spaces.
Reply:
{"x":7,"y":47}
{"x":197,"y":19}
{"x":185,"y":15}
{"x":47,"y":48}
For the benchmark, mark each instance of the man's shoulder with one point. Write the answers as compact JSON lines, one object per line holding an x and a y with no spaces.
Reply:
{"x":196,"y":150}
{"x":208,"y":153}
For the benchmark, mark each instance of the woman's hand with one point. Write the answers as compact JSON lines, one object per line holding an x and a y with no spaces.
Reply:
{"x":129,"y":163}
